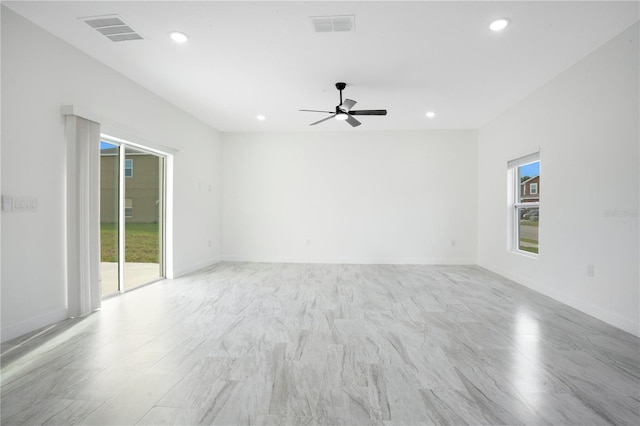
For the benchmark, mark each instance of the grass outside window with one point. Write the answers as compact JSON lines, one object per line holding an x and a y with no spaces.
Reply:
{"x":141,"y":242}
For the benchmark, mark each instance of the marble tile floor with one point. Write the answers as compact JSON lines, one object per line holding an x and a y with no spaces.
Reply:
{"x":296,"y":344}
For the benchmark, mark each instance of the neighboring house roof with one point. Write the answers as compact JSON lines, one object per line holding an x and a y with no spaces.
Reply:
{"x":109,"y":151}
{"x":530,"y":179}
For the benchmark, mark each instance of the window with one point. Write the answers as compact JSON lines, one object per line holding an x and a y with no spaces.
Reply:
{"x":128,"y":167}
{"x":524,"y":204}
{"x":128,"y":208}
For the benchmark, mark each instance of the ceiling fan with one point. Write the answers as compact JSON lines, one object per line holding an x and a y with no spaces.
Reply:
{"x":344,"y":112}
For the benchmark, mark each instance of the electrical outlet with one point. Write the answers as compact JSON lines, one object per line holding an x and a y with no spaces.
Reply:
{"x":590,"y":270}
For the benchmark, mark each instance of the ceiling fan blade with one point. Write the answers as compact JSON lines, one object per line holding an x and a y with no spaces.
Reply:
{"x":315,"y":110}
{"x":353,"y":121}
{"x":347,"y":104}
{"x":369,"y":112}
{"x":324,"y":119}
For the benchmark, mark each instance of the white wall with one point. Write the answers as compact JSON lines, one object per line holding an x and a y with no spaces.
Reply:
{"x":352,"y":196}
{"x":585,"y":122}
{"x":40,"y":73}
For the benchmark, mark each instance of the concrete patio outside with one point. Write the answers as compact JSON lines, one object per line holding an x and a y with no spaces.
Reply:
{"x":135,"y":274}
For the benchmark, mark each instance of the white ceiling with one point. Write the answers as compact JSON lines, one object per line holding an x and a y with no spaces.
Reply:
{"x":250,"y":58}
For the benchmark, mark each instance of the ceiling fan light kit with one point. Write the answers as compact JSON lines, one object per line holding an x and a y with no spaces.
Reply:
{"x":343,"y":111}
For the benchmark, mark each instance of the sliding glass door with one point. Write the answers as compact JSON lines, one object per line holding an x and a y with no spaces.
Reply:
{"x":109,"y":217}
{"x":143,"y":207}
{"x":131,"y":216}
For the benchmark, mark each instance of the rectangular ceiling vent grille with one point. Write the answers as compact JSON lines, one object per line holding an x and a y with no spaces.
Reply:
{"x":113,"y":28}
{"x":333,"y":24}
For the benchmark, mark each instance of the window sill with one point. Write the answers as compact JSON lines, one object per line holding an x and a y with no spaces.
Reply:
{"x":525,"y":254}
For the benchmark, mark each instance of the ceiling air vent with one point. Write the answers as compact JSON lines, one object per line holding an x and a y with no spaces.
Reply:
{"x":333,"y":24}
{"x":113,"y":27}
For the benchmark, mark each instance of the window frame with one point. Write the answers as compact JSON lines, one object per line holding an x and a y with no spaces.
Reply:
{"x":516,"y":206}
{"x":128,"y":162}
{"x":128,"y":208}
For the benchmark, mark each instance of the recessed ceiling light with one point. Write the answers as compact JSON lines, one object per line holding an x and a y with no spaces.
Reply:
{"x":499,"y":24}
{"x":431,"y":114}
{"x":178,"y":37}
{"x":261,"y":117}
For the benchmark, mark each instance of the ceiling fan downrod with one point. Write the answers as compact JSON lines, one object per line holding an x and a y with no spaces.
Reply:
{"x":340,"y":87}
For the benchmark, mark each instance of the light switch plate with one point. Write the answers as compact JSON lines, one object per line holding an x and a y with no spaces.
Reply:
{"x":6,"y":203}
{"x":25,"y":204}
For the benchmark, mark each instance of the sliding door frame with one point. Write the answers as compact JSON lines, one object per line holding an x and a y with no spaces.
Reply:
{"x":121,"y":219}
{"x":164,"y":158}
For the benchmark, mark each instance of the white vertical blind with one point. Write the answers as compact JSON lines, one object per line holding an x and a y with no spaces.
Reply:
{"x":83,"y":226}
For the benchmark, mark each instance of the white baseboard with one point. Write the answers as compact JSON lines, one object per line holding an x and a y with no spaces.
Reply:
{"x":612,"y":318}
{"x":18,"y":329}
{"x":195,"y":267}
{"x":355,"y":261}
